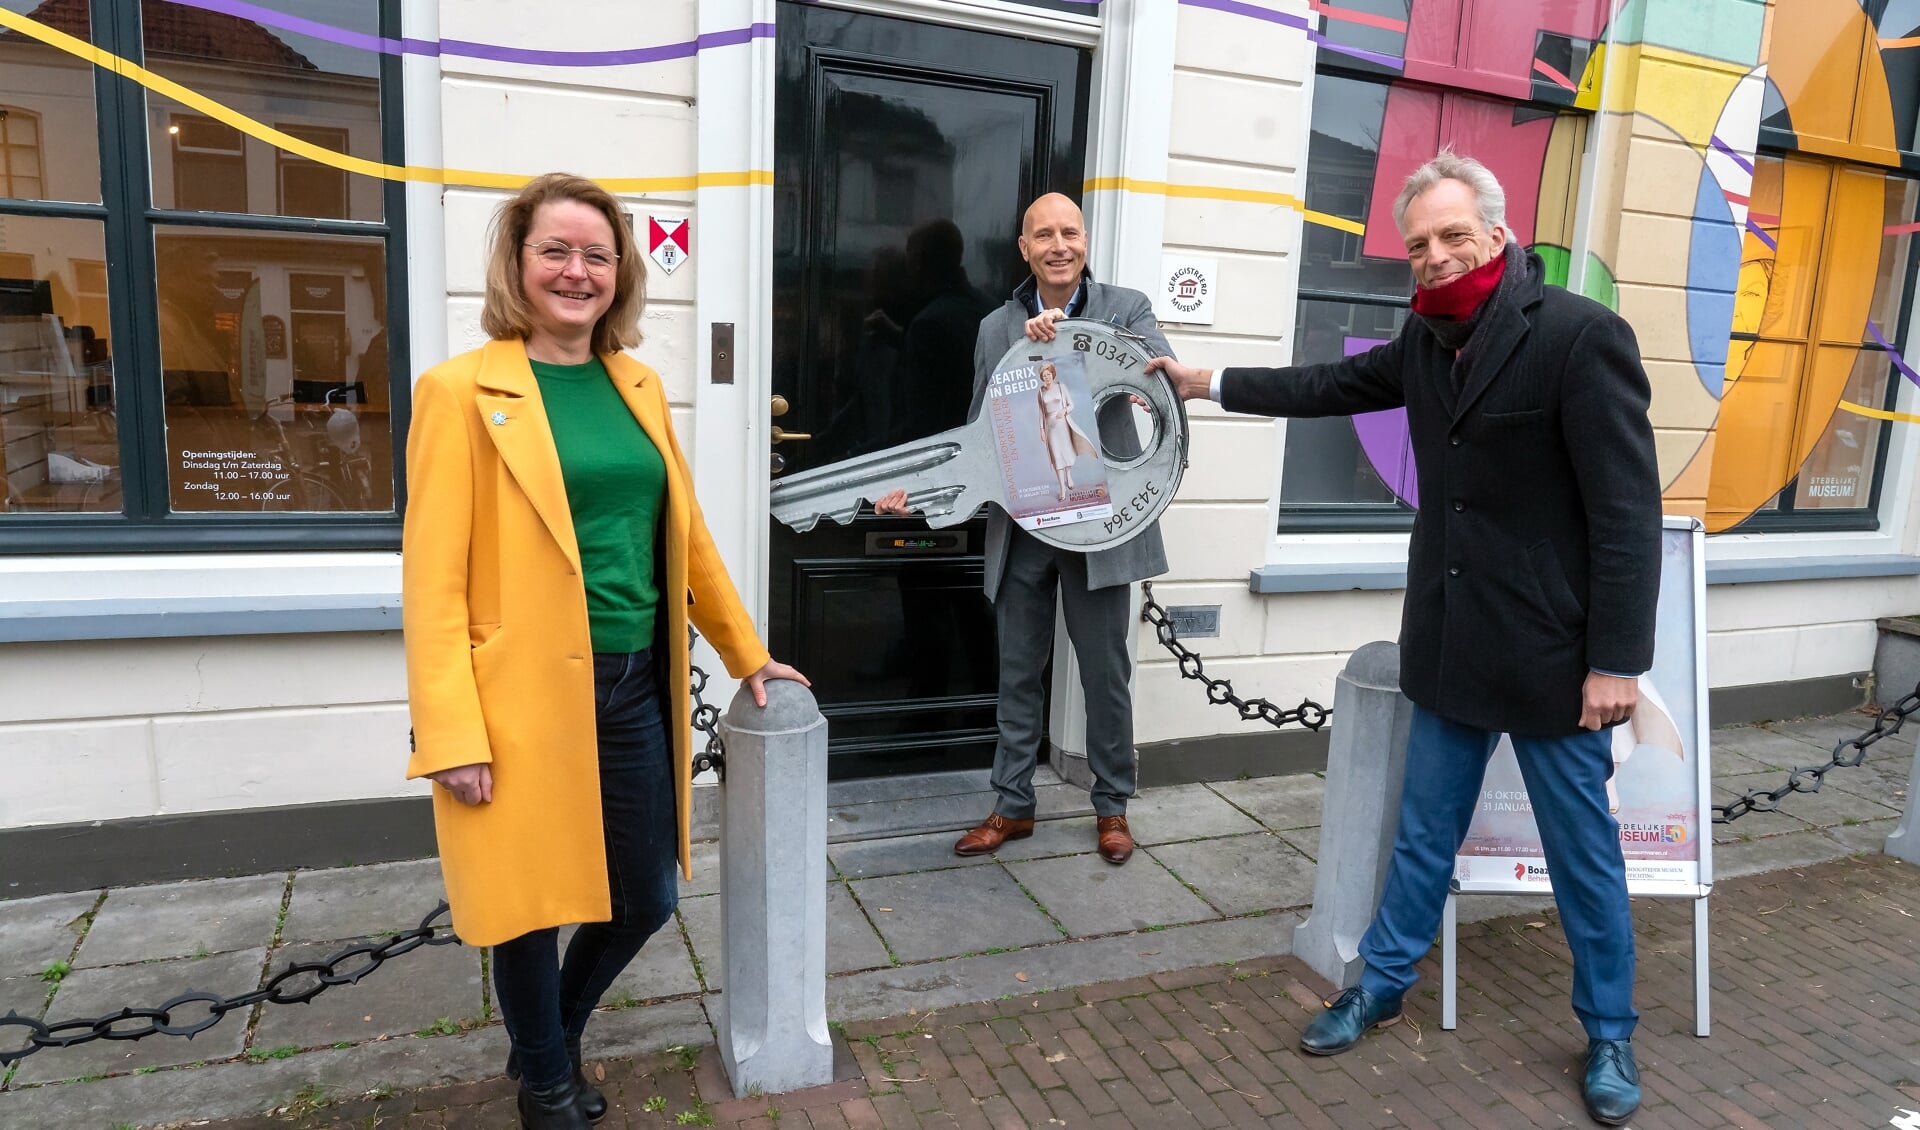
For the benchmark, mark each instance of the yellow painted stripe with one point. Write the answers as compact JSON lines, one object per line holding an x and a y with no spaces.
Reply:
{"x":1217,"y":192}
{"x":253,"y":128}
{"x":1880,"y":413}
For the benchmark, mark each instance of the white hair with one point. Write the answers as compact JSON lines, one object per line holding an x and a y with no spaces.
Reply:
{"x":1447,"y":165}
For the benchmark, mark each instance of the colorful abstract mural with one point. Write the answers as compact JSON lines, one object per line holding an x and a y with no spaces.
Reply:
{"x":1751,"y":214}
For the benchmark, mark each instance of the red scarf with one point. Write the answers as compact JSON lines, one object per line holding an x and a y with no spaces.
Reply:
{"x":1460,"y":299}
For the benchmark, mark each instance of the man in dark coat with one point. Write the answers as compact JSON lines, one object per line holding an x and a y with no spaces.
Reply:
{"x":1531,"y":581}
{"x":1025,"y":576}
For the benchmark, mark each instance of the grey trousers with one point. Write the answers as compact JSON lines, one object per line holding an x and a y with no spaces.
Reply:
{"x":1097,"y":623}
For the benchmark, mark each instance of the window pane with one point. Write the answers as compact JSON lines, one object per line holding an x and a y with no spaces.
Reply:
{"x":1344,"y":461}
{"x":45,"y":92}
{"x":273,"y":355}
{"x":1838,"y":475}
{"x":1753,"y":447}
{"x":318,"y":92}
{"x":1341,"y":155}
{"x":1789,"y":205}
{"x":57,"y":437}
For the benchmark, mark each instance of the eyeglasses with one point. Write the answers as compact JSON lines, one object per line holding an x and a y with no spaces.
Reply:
{"x":1455,"y":239}
{"x":553,"y":255}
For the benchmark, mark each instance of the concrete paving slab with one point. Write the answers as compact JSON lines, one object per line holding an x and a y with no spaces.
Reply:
{"x":412,"y":992}
{"x":1871,"y":836}
{"x":700,"y":917}
{"x":361,"y":902}
{"x":865,"y":859}
{"x":1184,"y":812}
{"x":1243,"y":874}
{"x":184,"y":920}
{"x":1072,"y":836}
{"x":1754,"y":825}
{"x":956,"y":811}
{"x":1306,"y":841}
{"x":891,"y":992}
{"x":28,"y":997}
{"x":851,"y":941}
{"x":1775,"y":853}
{"x":36,"y":932}
{"x":706,"y":869}
{"x":662,"y":968}
{"x":1774,"y":747}
{"x":977,"y":782}
{"x":1823,"y":809}
{"x":1292,"y":801}
{"x":1731,"y":763}
{"x":946,"y":913}
{"x":96,"y":992}
{"x":1825,"y":731}
{"x":1090,"y":896}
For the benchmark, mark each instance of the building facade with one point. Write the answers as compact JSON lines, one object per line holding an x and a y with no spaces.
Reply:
{"x":231,"y":232}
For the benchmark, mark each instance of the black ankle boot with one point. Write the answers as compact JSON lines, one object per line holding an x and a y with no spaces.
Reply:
{"x":552,"y":1108}
{"x":592,"y":1103}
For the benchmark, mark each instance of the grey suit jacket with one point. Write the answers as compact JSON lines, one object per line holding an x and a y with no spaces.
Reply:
{"x":1142,"y":557}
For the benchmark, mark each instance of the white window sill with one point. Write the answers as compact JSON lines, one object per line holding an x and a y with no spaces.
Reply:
{"x":144,"y":597}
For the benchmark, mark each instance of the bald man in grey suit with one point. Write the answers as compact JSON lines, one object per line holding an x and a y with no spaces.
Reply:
{"x":1024,"y":574}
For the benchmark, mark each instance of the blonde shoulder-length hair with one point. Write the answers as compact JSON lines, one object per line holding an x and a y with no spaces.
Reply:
{"x":506,"y":313}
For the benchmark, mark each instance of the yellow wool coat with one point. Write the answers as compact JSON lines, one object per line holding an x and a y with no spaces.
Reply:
{"x":499,"y":659}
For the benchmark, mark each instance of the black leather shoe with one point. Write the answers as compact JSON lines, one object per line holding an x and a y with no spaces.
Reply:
{"x":1347,"y":1018}
{"x":592,"y":1103}
{"x":1612,"y":1086}
{"x":554,"y":1108}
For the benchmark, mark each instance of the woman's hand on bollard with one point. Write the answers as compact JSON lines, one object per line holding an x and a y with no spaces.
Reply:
{"x":774,"y":669}
{"x":469,"y":784}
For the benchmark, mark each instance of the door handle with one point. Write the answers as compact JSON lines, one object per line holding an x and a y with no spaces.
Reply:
{"x":778,"y":406}
{"x":781,"y":435}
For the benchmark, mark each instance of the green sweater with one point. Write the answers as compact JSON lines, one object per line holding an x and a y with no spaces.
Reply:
{"x":616,"y":481}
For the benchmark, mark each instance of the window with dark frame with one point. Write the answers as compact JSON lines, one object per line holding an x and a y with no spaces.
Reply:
{"x":192,"y":356}
{"x":1355,"y":474}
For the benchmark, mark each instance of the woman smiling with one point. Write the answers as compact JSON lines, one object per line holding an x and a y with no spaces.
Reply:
{"x":553,"y":555}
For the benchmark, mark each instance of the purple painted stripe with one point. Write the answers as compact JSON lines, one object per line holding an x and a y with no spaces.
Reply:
{"x":240,"y":9}
{"x":1738,"y":159}
{"x":1391,"y":62}
{"x":1764,"y":237}
{"x":1236,"y":8}
{"x":1899,"y":362}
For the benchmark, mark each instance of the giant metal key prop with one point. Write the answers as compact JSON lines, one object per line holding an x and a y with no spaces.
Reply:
{"x":949,"y":476}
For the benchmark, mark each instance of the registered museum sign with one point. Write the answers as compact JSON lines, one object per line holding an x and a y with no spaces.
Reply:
{"x":1185,"y":293}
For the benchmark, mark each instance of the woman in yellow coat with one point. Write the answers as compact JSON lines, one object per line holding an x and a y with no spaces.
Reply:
{"x":553,"y":554}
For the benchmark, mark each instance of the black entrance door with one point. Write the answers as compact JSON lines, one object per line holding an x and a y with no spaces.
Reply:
{"x":905,"y":154}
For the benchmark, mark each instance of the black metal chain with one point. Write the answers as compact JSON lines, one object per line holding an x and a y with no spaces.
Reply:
{"x":298,"y":983}
{"x":1309,"y":713}
{"x":1848,"y":752}
{"x":706,"y":719}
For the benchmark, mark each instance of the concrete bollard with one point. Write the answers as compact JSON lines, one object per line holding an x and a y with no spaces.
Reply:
{"x":1904,"y":842}
{"x":771,"y":1014}
{"x":1366,"y":764}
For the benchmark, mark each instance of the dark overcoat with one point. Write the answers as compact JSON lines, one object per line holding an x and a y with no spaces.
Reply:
{"x":1536,"y":552}
{"x":1142,"y":556}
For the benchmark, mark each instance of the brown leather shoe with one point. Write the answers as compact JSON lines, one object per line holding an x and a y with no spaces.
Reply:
{"x":1116,"y":841}
{"x":992,"y":832}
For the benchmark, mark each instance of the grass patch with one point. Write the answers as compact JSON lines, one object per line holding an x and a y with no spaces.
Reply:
{"x":147,"y":1070}
{"x":284,"y":1051}
{"x":55,"y":972}
{"x":687,"y":1056}
{"x":655,"y":1105}
{"x":698,"y":1116}
{"x":440,"y":1027}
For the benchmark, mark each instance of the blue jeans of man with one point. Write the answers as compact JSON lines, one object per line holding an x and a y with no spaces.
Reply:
{"x":543,"y":1000}
{"x":1567,"y":783}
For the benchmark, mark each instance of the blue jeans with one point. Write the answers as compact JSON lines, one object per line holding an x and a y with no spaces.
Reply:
{"x":543,"y":1000}
{"x":1567,"y":783}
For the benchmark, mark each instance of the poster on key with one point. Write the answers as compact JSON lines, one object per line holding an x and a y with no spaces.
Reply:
{"x":1659,"y":792}
{"x":1043,"y":430}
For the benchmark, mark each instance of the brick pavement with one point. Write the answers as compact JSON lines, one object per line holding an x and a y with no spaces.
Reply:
{"x":1816,"y":1024}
